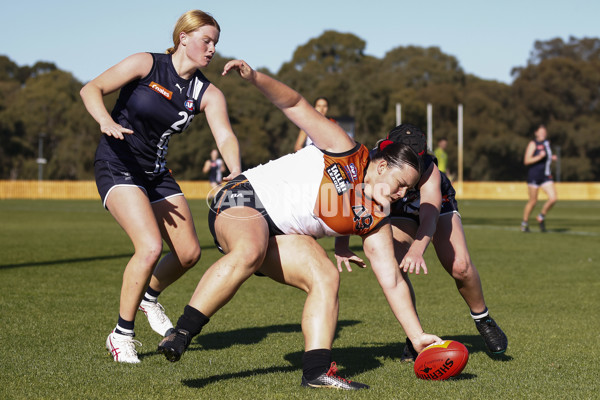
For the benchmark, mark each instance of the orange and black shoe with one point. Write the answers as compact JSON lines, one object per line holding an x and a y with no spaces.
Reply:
{"x":329,"y":379}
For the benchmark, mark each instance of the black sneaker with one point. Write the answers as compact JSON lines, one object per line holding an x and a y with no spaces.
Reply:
{"x":409,"y":354}
{"x":174,"y":345}
{"x":542,"y":226}
{"x":495,"y":339}
{"x":524,"y":227}
{"x":329,"y":379}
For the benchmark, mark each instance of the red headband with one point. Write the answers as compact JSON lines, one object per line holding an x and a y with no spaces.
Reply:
{"x":384,"y":144}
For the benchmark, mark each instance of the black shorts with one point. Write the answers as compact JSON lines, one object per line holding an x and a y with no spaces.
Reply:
{"x":538,"y":178}
{"x":113,"y":173}
{"x":410,"y":209}
{"x":238,"y":193}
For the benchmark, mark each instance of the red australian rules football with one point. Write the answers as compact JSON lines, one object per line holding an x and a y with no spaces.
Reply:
{"x":441,"y":360}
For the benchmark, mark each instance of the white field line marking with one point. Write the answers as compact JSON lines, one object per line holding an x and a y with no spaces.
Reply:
{"x":510,"y":228}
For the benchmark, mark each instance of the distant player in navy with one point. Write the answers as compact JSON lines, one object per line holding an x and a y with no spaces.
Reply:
{"x":538,"y":157}
{"x":214,"y":167}
{"x":159,"y":96}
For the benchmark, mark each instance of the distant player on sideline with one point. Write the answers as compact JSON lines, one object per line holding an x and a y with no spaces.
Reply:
{"x":442,"y":156}
{"x":321,"y":104}
{"x":159,"y":96}
{"x":429,"y":213}
{"x":214,"y":168}
{"x":539,"y":157}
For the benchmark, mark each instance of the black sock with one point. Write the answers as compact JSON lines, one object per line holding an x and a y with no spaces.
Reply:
{"x":151,"y":295}
{"x":192,"y":321}
{"x":124,"y":327}
{"x":315,"y":362}
{"x":480,"y":316}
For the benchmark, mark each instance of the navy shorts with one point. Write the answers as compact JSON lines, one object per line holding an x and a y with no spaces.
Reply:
{"x":110,"y":174}
{"x":408,"y":208}
{"x":238,"y":193}
{"x":538,"y":179}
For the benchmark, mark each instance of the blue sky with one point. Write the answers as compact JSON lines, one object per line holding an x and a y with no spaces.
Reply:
{"x":488,"y":38}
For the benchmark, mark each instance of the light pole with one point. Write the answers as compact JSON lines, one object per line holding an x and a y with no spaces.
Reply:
{"x":41,"y":160}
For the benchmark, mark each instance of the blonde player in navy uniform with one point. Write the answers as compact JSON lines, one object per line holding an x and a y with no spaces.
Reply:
{"x":267,"y":221}
{"x":539,"y":157}
{"x":159,"y":96}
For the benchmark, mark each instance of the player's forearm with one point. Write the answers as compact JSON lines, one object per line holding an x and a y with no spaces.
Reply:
{"x":277,"y":92}
{"x":230,"y":150}
{"x":94,"y":104}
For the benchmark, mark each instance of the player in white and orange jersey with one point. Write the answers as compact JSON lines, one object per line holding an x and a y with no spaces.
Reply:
{"x":267,"y":219}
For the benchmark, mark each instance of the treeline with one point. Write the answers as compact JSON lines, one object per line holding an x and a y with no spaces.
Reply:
{"x":558,"y":86}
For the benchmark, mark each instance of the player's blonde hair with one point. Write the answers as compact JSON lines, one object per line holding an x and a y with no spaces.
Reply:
{"x":189,"y":22}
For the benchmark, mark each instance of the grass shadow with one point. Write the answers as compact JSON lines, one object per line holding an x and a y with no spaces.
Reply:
{"x":64,"y":261}
{"x":249,"y":336}
{"x":202,"y":382}
{"x":475,"y":344}
{"x":350,"y":361}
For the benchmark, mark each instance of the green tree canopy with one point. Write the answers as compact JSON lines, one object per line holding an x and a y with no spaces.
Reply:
{"x":559,"y":85}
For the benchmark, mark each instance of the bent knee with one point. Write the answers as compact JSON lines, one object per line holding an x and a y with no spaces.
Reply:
{"x":328,"y":277}
{"x":324,"y":284}
{"x":248,"y":257}
{"x":462,"y":270}
{"x":190,"y":257}
{"x":151,"y":251}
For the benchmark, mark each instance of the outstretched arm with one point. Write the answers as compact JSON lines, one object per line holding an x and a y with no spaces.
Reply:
{"x":215,"y":109}
{"x":325,"y":134}
{"x":379,"y":248}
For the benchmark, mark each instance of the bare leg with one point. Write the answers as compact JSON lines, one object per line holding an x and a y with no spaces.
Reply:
{"x":299,"y":261}
{"x":244,"y":236}
{"x":451,"y":248}
{"x":533,"y":195}
{"x":174,"y":218}
{"x":550,"y":190}
{"x":131,"y":209}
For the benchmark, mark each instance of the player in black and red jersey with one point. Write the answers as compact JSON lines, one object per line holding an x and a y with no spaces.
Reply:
{"x":159,"y":96}
{"x":429,"y":213}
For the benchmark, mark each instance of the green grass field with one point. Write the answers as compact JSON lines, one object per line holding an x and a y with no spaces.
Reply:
{"x":60,"y":274}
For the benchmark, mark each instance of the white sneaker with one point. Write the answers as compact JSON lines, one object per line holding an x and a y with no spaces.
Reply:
{"x":122,"y":348}
{"x":159,"y":322}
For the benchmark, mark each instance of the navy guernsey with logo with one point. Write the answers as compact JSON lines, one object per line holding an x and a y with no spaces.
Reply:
{"x":410,"y":204}
{"x":155,"y":107}
{"x":540,"y":171}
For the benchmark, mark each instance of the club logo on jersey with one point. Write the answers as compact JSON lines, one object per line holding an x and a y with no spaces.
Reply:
{"x":189,"y":105}
{"x":351,"y":172}
{"x":362,"y":218}
{"x":338,"y":177}
{"x":159,"y":89}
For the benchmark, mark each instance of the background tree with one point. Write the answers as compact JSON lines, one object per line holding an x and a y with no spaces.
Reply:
{"x":558,"y":86}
